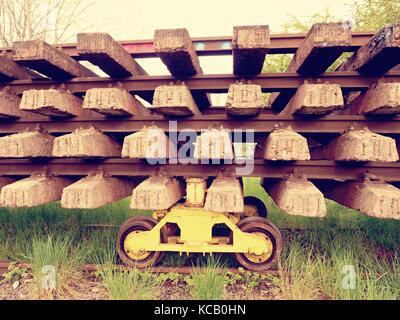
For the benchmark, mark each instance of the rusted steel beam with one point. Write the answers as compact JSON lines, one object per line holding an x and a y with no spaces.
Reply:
{"x":214,"y":83}
{"x":321,"y":169}
{"x":221,"y":45}
{"x":265,"y":122}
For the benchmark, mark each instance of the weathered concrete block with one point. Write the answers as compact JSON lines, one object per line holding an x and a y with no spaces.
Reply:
{"x":286,"y":145}
{"x":196,"y":189}
{"x":362,"y":145}
{"x":213,"y":144}
{"x":40,"y":56}
{"x":9,"y":104}
{"x":174,"y":100}
{"x":380,"y":99}
{"x":323,"y":44}
{"x":244,"y":100}
{"x":157,"y":193}
{"x":95,"y":191}
{"x":175,"y":49}
{"x":52,"y":103}
{"x":102,"y":50}
{"x":377,"y":56}
{"x":298,"y":196}
{"x":33,"y":191}
{"x":315,"y":99}
{"x":150,"y":142}
{"x":372,"y":198}
{"x":9,"y":70}
{"x":225,"y":195}
{"x":86,"y":143}
{"x":113,"y":102}
{"x":28,"y":144}
{"x":250,"y":45}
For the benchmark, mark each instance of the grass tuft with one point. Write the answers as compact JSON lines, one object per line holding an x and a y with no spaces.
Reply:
{"x":208,"y":281}
{"x":55,"y":264}
{"x":133,"y":284}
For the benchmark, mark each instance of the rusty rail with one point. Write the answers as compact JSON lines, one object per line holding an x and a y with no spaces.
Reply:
{"x":265,"y":122}
{"x":219,"y":45}
{"x":157,"y":269}
{"x":215,"y":83}
{"x":315,"y":169}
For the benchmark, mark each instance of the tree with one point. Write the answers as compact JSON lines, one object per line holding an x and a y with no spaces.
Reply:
{"x":369,"y":15}
{"x":375,"y":14}
{"x":296,"y":25}
{"x":279,"y":62}
{"x":37,"y":19}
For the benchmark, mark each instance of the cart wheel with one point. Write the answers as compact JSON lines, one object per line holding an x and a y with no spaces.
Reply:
{"x":257,"y":204}
{"x":261,"y":226}
{"x":138,"y":259}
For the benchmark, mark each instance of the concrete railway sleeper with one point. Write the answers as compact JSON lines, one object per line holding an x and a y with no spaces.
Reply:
{"x":69,"y":135}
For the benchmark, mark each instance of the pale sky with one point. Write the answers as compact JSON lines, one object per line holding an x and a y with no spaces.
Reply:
{"x":128,"y":19}
{"x":137,"y":19}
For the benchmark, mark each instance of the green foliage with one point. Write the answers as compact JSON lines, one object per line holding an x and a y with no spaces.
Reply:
{"x":315,"y":256}
{"x":374,"y":14}
{"x":369,"y":15}
{"x":297,"y":25}
{"x":302,"y":283}
{"x":14,"y":273}
{"x":173,"y":259}
{"x":129,"y":284}
{"x":280,"y":62}
{"x":54,"y":253}
{"x":119,"y":284}
{"x":277,"y":63}
{"x":20,"y":226}
{"x":122,"y":284}
{"x":208,"y":282}
{"x":318,"y":262}
{"x":100,"y":246}
{"x":171,"y":277}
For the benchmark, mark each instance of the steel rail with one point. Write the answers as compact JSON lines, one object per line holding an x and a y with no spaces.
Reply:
{"x":213,"y":83}
{"x":184,"y":270}
{"x":90,"y":268}
{"x":315,"y":169}
{"x":265,"y":122}
{"x":208,"y":46}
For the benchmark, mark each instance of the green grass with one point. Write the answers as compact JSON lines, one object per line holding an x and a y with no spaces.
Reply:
{"x":19,"y":226}
{"x":130,"y":284}
{"x":208,"y":281}
{"x":315,"y":257}
{"x":318,"y":265}
{"x":54,"y":262}
{"x":173,"y":259}
{"x":122,"y":284}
